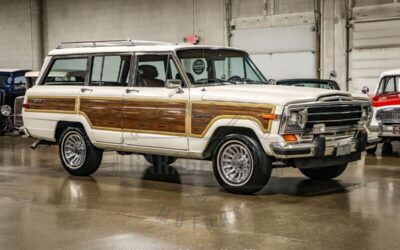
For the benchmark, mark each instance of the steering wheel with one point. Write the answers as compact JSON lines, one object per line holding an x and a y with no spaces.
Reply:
{"x":202,"y":80}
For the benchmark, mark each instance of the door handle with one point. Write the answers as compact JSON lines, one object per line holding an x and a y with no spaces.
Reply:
{"x":83,"y":90}
{"x":128,"y":91}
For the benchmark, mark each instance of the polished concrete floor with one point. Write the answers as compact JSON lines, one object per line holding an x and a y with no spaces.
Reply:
{"x":128,"y":204}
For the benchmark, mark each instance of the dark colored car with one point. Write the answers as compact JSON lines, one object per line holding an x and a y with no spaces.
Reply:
{"x":311,"y":83}
{"x":12,"y":86}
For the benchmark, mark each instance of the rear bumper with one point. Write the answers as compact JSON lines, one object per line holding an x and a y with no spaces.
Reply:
{"x":320,"y":147}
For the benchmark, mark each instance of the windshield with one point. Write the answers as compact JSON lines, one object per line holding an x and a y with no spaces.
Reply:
{"x":311,"y":84}
{"x":219,"y":66}
{"x":389,"y":84}
{"x":5,"y":80}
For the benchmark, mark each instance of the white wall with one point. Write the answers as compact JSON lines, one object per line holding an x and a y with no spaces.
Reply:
{"x":170,"y":20}
{"x":160,"y":20}
{"x":15,"y":34}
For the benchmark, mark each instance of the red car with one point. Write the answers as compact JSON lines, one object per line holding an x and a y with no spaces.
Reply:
{"x":386,"y":103}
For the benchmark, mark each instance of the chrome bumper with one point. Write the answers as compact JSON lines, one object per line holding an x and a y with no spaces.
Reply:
{"x":385,"y":130}
{"x":320,"y":148}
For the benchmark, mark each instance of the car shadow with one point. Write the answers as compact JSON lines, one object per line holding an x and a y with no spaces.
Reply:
{"x":165,"y":173}
{"x":299,"y":186}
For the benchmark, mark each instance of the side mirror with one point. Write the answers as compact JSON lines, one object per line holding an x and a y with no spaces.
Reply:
{"x":365,"y":90}
{"x":271,"y":82}
{"x":174,"y":84}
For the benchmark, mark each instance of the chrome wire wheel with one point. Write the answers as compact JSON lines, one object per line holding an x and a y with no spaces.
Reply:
{"x":73,"y":150}
{"x":235,"y":163}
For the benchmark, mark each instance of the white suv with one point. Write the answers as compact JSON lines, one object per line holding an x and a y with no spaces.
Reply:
{"x":169,"y":101}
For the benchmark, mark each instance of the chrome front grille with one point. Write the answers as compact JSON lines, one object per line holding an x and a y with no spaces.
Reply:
{"x":326,"y":116}
{"x":388,"y":115}
{"x":334,"y":115}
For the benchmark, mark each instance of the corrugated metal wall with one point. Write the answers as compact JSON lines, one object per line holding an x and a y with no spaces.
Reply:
{"x":375,"y":45}
{"x":278,"y":35}
{"x":160,"y":20}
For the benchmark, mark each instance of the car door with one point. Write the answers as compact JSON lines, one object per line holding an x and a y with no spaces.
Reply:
{"x":101,"y":102}
{"x":155,"y":110}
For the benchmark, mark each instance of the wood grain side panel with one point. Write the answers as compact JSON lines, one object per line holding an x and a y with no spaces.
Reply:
{"x":204,"y":114}
{"x":154,"y":116}
{"x":46,"y":104}
{"x":105,"y":114}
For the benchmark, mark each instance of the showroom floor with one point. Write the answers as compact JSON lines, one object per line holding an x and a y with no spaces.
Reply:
{"x":130,"y":205}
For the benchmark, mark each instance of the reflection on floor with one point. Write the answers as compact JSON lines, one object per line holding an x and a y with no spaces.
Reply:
{"x":129,"y":204}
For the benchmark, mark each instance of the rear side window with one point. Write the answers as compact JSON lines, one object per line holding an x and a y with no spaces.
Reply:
{"x":67,"y":71}
{"x":110,"y":70}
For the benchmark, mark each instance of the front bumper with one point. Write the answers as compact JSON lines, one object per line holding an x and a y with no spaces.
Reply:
{"x":386,"y":130}
{"x":319,"y":147}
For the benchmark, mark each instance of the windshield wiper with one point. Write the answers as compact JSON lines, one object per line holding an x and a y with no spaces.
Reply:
{"x":246,"y":81}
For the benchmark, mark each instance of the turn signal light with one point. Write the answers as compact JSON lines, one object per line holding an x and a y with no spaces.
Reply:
{"x":289,"y":137}
{"x":268,"y":116}
{"x":26,"y":105}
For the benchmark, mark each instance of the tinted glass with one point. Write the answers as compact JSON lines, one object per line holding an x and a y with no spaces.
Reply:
{"x":220,"y":66}
{"x":3,"y":81}
{"x":110,"y":70}
{"x":155,"y":70}
{"x":388,"y":85}
{"x":19,"y":83}
{"x":67,"y":71}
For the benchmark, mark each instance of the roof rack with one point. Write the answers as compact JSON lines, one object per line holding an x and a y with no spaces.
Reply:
{"x":107,"y":43}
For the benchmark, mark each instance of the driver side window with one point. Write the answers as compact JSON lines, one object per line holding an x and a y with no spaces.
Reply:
{"x":154,"y":71}
{"x":387,"y":85}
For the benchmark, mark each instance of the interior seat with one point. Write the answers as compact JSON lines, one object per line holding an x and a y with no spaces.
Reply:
{"x":147,"y":77}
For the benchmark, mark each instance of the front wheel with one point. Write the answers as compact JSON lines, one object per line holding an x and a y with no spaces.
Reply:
{"x":78,"y":155}
{"x":387,"y":148}
{"x":241,"y":165}
{"x":326,"y":173}
{"x":372,"y":151}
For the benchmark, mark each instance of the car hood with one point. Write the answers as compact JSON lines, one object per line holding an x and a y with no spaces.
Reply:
{"x":269,"y":94}
{"x":386,"y":100}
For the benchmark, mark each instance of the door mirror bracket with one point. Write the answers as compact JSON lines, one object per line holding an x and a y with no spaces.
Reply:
{"x":175,"y":84}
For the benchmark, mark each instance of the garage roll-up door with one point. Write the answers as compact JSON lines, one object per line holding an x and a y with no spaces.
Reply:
{"x":280,"y":52}
{"x":375,"y":48}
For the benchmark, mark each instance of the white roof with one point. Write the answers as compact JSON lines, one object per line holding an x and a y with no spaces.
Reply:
{"x":390,"y":73}
{"x":11,"y":70}
{"x":32,"y":74}
{"x":138,"y":48}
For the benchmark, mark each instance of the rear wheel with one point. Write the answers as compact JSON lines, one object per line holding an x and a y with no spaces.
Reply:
{"x":160,"y":160}
{"x":78,"y":155}
{"x":241,"y":165}
{"x":325,"y":173}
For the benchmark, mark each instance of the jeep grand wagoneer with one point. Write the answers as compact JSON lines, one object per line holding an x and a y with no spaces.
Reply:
{"x":169,"y":101}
